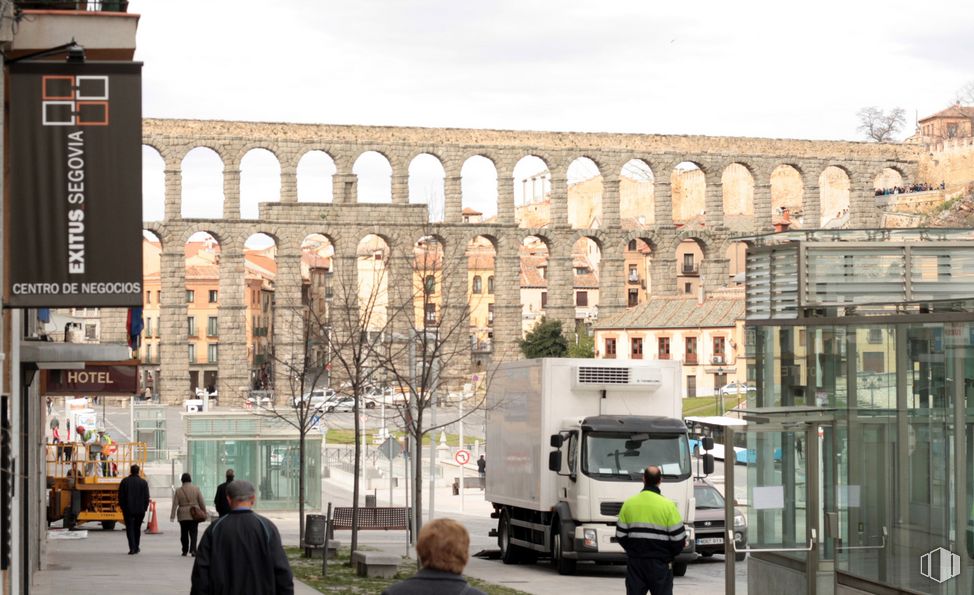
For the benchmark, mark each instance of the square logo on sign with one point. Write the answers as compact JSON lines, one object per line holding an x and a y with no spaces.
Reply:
{"x":74,"y":100}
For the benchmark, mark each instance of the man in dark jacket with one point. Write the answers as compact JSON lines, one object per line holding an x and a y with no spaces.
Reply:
{"x":220,"y":501}
{"x":651,"y":531}
{"x":133,"y":499}
{"x":241,"y":553}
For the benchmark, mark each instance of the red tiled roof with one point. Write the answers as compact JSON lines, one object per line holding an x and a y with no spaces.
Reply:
{"x":954,"y":111}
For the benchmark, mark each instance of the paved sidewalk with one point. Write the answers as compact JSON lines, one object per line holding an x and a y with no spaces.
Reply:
{"x":101,"y":563}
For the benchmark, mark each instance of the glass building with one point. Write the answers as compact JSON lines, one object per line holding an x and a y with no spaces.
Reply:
{"x":262,"y":450}
{"x":860,"y":346}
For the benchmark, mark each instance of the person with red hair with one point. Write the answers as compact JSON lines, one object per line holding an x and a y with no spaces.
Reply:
{"x":443,"y":548}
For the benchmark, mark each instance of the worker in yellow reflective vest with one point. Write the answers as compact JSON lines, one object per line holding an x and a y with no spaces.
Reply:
{"x":651,"y":531}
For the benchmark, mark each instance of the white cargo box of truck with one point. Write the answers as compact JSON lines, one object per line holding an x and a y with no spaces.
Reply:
{"x":529,"y":400}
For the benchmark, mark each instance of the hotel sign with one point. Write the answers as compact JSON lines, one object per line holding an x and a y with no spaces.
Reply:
{"x":112,"y":378}
{"x":74,"y":217}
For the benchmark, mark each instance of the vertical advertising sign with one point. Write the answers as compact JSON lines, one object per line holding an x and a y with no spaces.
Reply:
{"x":74,"y":215}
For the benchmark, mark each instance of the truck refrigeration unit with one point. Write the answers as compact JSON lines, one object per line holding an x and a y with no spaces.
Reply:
{"x":568,"y":440}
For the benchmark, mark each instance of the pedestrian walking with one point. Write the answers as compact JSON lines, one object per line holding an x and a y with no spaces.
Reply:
{"x":443,"y":549}
{"x":241,"y":553}
{"x":190,"y":510}
{"x":133,"y":499}
{"x":651,"y":531}
{"x":482,"y":467}
{"x":220,"y":500}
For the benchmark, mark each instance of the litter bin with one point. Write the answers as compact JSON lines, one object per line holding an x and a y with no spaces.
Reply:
{"x":314,"y":529}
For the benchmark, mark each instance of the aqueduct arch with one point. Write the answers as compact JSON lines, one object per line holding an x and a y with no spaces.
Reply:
{"x":626,"y":192}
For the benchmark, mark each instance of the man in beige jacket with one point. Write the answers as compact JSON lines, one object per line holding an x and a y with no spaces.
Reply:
{"x":184,"y":500}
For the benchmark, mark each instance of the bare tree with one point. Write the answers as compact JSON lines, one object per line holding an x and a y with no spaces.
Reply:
{"x":430,"y":353}
{"x":304,"y":370}
{"x":879,"y":125}
{"x":965,"y":95}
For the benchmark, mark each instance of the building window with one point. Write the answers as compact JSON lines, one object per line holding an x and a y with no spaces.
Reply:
{"x":430,"y":314}
{"x":478,"y":285}
{"x":212,"y":327}
{"x":663,"y":347}
{"x":148,"y":327}
{"x":543,"y":271}
{"x":490,"y":284}
{"x":191,"y":325}
{"x":719,"y":354}
{"x":148,"y":297}
{"x":691,"y":386}
{"x":214,"y":294}
{"x":91,"y":332}
{"x":610,"y":348}
{"x":874,"y":362}
{"x":429,"y":284}
{"x":632,"y":245}
{"x":581,"y":270}
{"x":148,"y":353}
{"x":688,"y":263}
{"x":688,"y":288}
{"x":544,"y":299}
{"x":690,"y":351}
{"x":490,"y":314}
{"x":636,"y":348}
{"x":633,"y":297}
{"x":211,"y":353}
{"x":192,"y":353}
{"x":875,"y":335}
{"x":633,"y":274}
{"x":190,"y":296}
{"x":581,"y":298}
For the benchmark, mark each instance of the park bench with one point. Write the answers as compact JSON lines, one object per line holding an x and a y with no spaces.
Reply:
{"x":387,"y":518}
{"x":375,"y":564}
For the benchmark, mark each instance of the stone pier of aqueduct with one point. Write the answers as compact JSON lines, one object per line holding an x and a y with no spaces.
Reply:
{"x":347,"y":219}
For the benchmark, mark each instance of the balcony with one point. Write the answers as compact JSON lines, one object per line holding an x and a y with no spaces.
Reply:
{"x":689,"y":270}
{"x":103,"y":28}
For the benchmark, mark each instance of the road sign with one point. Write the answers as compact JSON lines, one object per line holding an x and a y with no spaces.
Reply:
{"x":390,"y":448}
{"x":462,"y":457}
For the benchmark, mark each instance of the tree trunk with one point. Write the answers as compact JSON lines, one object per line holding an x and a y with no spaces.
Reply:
{"x":301,"y":468}
{"x":357,"y":470}
{"x":418,"y":485}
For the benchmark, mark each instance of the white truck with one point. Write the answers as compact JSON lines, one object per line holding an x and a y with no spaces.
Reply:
{"x":568,"y":440}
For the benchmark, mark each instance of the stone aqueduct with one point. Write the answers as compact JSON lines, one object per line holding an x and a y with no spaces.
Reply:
{"x":345,"y":221}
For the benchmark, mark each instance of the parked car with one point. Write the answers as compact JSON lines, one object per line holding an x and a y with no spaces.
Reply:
{"x":708,"y":524}
{"x":317,"y":397}
{"x":339,"y":404}
{"x":376,"y":396}
{"x":735,"y":388}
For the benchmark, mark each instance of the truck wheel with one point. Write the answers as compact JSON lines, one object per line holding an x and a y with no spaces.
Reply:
{"x":679,"y":568}
{"x":108,"y":525}
{"x":509,"y":552}
{"x":560,"y":563}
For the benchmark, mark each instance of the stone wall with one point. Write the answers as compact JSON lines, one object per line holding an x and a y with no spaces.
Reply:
{"x":345,"y":221}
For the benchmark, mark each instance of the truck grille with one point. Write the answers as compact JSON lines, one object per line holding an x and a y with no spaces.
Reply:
{"x":709,"y":524}
{"x":610,"y":508}
{"x":602,"y":375}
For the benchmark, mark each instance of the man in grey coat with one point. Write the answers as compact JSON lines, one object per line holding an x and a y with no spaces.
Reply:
{"x":241,"y":553}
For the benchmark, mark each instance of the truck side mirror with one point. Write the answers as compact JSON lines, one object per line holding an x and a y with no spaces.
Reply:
{"x":708,"y":464}
{"x":708,"y":443}
{"x":554,"y":461}
{"x":557,"y":440}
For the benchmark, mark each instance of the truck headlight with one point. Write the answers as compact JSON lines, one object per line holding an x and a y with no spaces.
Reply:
{"x":591,"y":539}
{"x":739,"y":521}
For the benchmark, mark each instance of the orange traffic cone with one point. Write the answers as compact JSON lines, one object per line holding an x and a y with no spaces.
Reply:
{"x":153,"y":527}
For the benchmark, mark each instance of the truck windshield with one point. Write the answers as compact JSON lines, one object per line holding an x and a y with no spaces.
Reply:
{"x":622,"y":457}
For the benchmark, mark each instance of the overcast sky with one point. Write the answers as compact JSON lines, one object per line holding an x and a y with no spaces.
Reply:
{"x":753,"y":68}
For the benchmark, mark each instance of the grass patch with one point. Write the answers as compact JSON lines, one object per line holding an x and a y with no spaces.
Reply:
{"x":347,"y":436}
{"x":342,"y":579}
{"x":701,"y":406}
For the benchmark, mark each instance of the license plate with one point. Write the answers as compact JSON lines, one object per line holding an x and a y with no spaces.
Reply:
{"x":710,"y":541}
